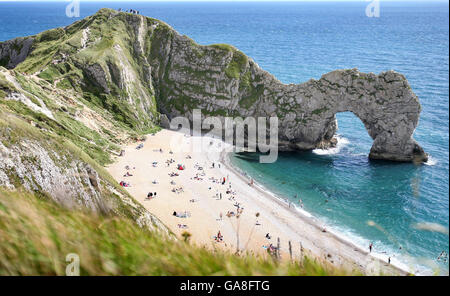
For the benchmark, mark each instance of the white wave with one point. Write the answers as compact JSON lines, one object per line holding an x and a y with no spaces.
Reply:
{"x":341,"y":142}
{"x":400,"y":260}
{"x":302,"y":211}
{"x":431,"y":161}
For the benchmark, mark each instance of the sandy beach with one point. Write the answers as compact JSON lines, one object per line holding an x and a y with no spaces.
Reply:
{"x":205,"y":205}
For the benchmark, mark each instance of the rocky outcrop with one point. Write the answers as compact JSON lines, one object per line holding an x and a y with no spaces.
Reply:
{"x":13,"y":52}
{"x":138,"y":67}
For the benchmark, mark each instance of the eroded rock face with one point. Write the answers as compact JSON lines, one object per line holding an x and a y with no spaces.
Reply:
{"x":70,"y":182}
{"x":13,"y":52}
{"x":385,"y":103}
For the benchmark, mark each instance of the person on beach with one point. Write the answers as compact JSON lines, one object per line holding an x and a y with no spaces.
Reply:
{"x":219,"y":236}
{"x":389,"y":260}
{"x":370,"y":247}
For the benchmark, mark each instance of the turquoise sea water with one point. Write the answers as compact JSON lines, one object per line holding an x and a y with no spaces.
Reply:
{"x":299,"y":41}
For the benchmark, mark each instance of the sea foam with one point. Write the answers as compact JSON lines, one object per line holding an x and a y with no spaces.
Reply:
{"x":341,"y":142}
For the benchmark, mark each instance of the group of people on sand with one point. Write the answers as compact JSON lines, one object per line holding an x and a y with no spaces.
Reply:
{"x":178,"y":190}
{"x":124,"y":184}
{"x":230,"y":191}
{"x":127,"y":174}
{"x":151,"y":195}
{"x":198,"y":176}
{"x":184,"y":214}
{"x":230,"y":214}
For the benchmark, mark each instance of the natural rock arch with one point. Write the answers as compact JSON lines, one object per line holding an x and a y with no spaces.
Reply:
{"x":385,"y":104}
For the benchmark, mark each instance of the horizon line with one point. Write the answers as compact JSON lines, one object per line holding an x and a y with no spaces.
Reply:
{"x":447,"y":1}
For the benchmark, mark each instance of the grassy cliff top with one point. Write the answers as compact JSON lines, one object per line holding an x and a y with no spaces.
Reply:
{"x":36,"y":236}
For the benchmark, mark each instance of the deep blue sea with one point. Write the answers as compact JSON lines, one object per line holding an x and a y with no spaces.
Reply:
{"x":367,"y":201}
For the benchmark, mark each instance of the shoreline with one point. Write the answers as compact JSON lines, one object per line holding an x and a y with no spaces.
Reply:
{"x":303,"y":214}
{"x":195,"y":189}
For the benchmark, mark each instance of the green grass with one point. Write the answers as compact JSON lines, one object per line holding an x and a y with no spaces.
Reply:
{"x":319,"y":111}
{"x":68,"y":128}
{"x":237,"y":65}
{"x":223,"y":46}
{"x":5,"y":84}
{"x":36,"y":236}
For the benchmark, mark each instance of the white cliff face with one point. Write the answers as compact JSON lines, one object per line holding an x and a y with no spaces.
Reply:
{"x":74,"y":184}
{"x":65,"y":179}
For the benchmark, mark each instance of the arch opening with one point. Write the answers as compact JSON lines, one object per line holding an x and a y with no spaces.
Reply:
{"x":352,"y":132}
